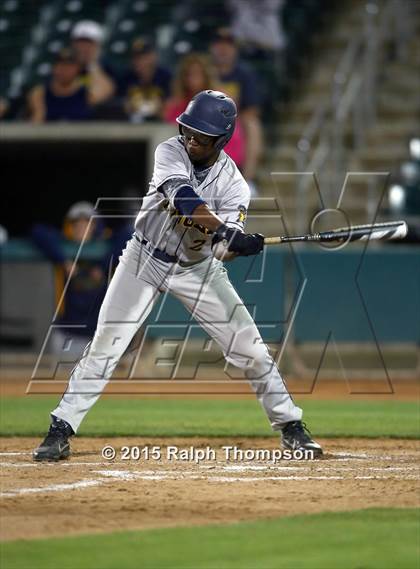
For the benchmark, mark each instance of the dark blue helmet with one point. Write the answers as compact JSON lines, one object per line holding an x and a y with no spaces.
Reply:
{"x":212,"y":113}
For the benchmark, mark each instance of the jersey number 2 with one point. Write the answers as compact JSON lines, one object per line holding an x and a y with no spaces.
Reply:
{"x":198,"y":247}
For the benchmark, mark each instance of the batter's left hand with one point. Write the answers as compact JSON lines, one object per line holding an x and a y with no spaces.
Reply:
{"x":243,"y":244}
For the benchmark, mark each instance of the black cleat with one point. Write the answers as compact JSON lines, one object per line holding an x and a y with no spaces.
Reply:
{"x":56,"y":444}
{"x":295,"y":436}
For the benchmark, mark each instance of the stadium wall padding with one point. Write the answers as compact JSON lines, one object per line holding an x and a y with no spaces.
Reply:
{"x":354,"y":295}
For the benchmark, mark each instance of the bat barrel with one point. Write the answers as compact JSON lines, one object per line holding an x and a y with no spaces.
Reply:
{"x":379,"y":231}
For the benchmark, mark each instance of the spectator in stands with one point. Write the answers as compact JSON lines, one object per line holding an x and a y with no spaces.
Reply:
{"x":88,"y":278}
{"x":256,"y":26}
{"x":195,"y":73}
{"x":241,"y":83}
{"x":95,"y":74}
{"x":4,"y":107}
{"x":62,"y":97}
{"x":146,"y":86}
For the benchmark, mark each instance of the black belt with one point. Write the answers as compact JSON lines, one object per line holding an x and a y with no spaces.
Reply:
{"x":163,"y":256}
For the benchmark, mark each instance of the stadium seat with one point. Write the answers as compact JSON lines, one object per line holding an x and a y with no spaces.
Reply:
{"x":17,"y":18}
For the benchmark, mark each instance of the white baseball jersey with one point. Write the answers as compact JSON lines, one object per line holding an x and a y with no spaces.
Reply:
{"x":221,"y":186}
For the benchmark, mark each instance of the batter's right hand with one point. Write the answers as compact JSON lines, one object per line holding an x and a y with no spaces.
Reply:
{"x":244,"y":244}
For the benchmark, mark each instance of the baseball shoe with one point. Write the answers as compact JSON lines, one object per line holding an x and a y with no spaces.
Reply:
{"x":56,"y":444}
{"x":296,"y":436}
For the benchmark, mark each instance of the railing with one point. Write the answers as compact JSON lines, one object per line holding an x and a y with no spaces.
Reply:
{"x":352,"y":105}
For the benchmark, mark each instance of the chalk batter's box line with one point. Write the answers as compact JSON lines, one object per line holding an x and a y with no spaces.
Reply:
{"x":219,"y":468}
{"x":132,"y":476}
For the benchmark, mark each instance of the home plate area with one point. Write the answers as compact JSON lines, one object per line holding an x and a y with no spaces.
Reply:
{"x":148,"y":486}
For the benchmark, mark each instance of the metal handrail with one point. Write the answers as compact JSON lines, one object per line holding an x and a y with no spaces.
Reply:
{"x":321,"y":147}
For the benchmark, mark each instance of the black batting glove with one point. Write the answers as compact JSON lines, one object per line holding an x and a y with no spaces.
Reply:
{"x":243,"y":244}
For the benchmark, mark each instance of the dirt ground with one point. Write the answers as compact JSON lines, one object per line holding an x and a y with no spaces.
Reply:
{"x":90,"y":494}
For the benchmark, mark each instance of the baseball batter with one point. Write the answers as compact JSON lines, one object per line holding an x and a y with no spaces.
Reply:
{"x":192,"y":215}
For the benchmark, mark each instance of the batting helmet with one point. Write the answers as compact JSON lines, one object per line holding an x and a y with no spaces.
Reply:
{"x":212,"y":113}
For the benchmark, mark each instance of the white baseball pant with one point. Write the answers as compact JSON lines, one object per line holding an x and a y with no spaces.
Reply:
{"x":205,"y":290}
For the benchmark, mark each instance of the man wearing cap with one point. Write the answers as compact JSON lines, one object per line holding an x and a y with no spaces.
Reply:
{"x":62,"y":98}
{"x":240,"y":83}
{"x":95,"y":75}
{"x":87,"y":285}
{"x":147,"y":85}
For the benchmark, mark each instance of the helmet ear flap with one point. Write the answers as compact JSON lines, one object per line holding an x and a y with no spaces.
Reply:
{"x":222,"y":141}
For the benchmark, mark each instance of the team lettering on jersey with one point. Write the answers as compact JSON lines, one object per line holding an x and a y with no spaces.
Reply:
{"x":183,"y":220}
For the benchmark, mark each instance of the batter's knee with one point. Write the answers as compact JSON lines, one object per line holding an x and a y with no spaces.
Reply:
{"x":248,"y":351}
{"x":110,"y":341}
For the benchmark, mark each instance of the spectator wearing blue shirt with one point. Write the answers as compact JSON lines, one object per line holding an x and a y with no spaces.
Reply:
{"x":240,"y":83}
{"x":87,"y":279}
{"x":146,"y":87}
{"x":62,"y":98}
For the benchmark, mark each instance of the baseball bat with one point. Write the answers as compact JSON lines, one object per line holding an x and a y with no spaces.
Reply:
{"x":377,"y":231}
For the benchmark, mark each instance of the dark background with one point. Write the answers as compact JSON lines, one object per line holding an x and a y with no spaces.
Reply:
{"x":41,"y":180}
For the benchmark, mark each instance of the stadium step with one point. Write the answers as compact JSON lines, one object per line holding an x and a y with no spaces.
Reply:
{"x":385,"y":140}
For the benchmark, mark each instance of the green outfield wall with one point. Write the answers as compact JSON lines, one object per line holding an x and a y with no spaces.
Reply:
{"x":356,"y":295}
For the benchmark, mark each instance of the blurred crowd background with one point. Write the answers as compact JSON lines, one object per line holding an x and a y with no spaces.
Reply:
{"x":141,"y":61}
{"x":89,"y":87}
